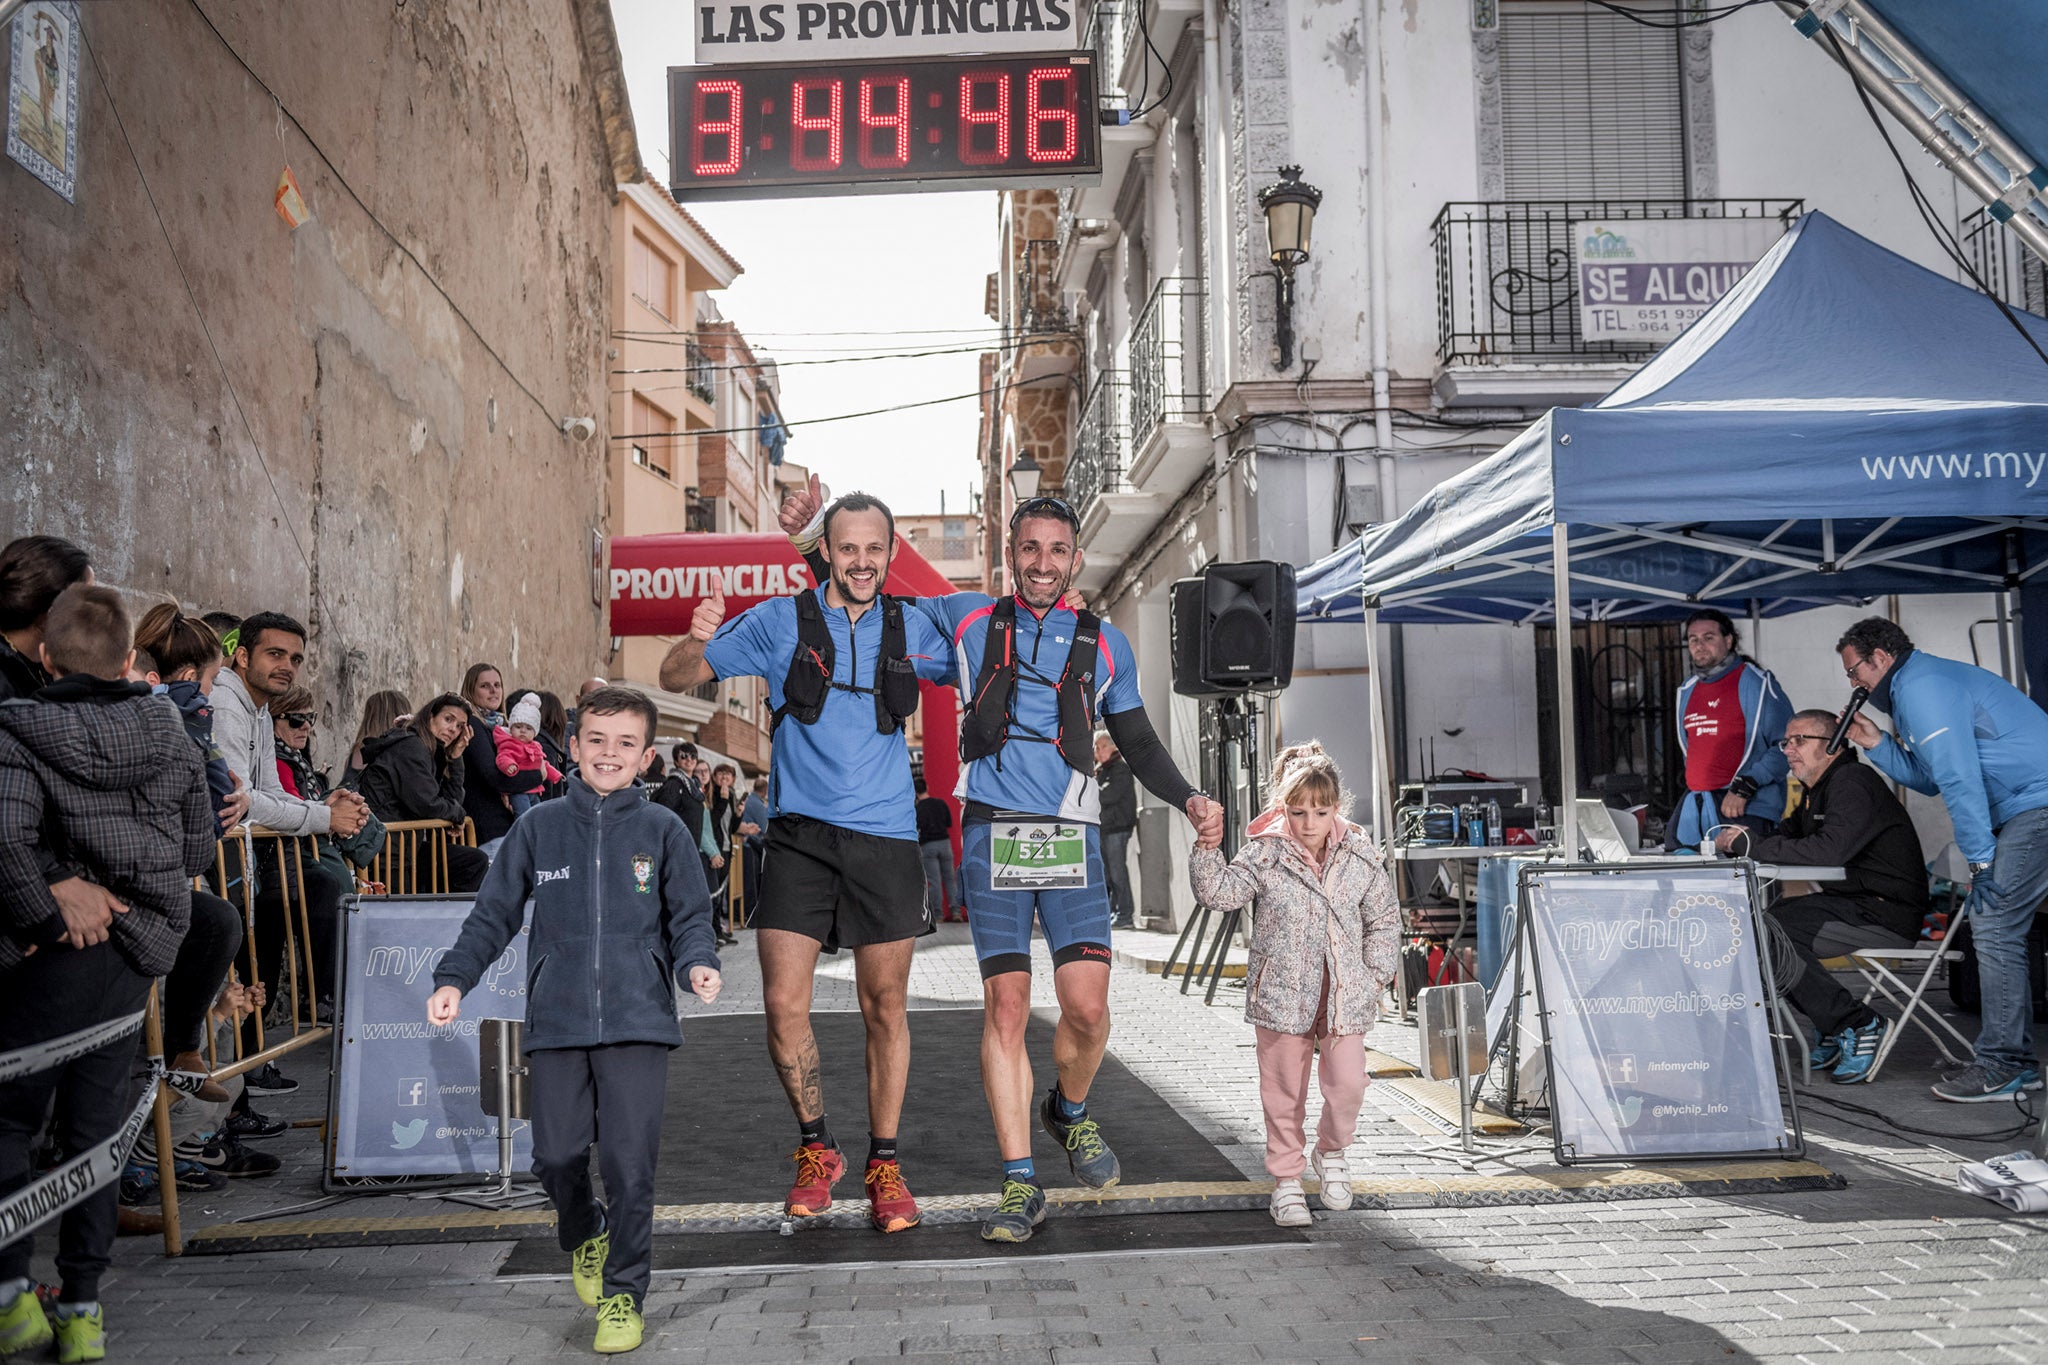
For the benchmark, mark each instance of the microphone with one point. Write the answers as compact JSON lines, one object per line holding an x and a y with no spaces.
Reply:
{"x":1856,"y":700}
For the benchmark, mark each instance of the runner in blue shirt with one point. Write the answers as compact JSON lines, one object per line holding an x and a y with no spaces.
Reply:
{"x":1035,"y":677}
{"x":840,"y":867}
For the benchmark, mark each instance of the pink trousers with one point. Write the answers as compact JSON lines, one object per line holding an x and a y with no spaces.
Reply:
{"x":1283,"y":1093}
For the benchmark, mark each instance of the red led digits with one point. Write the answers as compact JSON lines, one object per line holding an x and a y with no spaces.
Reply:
{"x":986,"y":86}
{"x":1059,"y":113}
{"x":896,"y":120}
{"x":803,"y":122}
{"x":704,"y":128}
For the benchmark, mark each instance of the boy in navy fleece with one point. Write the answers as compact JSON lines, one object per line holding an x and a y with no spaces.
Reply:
{"x":620,"y":913}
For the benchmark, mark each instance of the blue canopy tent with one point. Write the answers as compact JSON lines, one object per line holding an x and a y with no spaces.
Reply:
{"x":1842,"y":424}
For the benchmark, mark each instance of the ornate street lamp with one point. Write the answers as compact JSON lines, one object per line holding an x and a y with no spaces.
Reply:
{"x":1290,"y":207}
{"x":1024,"y":476}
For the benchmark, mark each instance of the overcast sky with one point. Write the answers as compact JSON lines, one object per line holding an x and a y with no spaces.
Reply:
{"x":905,"y":271}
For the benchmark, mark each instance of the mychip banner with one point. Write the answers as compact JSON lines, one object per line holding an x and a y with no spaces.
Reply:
{"x":1657,"y":1022}
{"x":408,"y":1094}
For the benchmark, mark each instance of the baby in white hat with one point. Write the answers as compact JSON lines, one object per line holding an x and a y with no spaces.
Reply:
{"x":518,"y":745}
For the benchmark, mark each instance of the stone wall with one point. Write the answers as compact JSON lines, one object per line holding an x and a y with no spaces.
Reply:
{"x":355,"y":421}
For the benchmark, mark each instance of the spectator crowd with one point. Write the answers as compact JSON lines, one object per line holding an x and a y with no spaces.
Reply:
{"x":136,"y":755}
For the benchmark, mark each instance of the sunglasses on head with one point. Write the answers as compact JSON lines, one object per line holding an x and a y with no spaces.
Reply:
{"x":1045,"y":504}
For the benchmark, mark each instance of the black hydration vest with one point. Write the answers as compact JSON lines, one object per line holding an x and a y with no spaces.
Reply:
{"x":810,"y":679}
{"x":986,"y":727}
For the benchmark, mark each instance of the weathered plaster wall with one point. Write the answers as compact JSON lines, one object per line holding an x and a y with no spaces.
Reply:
{"x":412,"y":502}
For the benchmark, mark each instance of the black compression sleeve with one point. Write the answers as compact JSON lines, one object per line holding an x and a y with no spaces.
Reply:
{"x":1150,"y":763}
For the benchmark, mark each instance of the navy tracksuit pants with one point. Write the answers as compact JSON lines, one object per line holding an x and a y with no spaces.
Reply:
{"x":611,"y":1096}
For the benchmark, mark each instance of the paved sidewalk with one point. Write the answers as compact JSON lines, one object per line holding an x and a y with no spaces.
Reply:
{"x":1899,"y":1266}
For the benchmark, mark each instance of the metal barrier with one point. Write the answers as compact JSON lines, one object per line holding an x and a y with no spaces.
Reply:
{"x":397,"y":864}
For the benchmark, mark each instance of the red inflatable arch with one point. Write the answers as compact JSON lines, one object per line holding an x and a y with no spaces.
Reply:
{"x":657,"y":582}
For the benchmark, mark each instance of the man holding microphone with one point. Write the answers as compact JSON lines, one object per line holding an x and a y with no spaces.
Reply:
{"x":1982,"y":745}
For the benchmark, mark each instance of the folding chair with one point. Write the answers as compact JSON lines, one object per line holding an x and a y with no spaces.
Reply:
{"x":1875,"y":964}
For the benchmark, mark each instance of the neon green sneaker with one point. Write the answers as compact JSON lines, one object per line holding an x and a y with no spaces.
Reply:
{"x":81,"y":1336}
{"x":24,"y":1326}
{"x":586,"y":1268}
{"x":618,"y":1325}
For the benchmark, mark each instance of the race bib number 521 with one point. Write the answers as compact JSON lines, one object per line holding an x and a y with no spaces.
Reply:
{"x":1037,"y":855}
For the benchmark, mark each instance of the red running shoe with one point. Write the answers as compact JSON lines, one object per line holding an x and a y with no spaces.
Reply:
{"x":890,"y":1207}
{"x":817,"y":1167}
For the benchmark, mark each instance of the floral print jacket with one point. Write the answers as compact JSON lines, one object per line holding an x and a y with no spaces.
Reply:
{"x":1343,"y":924}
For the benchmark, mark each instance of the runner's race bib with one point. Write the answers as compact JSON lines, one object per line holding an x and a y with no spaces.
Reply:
{"x":1037,"y":855}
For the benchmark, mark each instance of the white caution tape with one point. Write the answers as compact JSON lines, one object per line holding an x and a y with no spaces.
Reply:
{"x":99,"y":1168}
{"x":54,"y":1052}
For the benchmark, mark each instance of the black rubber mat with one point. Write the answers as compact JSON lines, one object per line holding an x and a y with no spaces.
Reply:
{"x":1057,"y":1236}
{"x":729,"y":1133}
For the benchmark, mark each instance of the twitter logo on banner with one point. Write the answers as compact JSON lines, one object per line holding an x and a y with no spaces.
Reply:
{"x":404,"y":1135}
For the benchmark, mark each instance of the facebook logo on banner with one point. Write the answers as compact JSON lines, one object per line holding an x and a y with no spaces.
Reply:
{"x":412,"y":1092}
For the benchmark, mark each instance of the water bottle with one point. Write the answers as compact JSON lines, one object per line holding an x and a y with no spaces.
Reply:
{"x":1494,"y":835}
{"x":1475,"y":826}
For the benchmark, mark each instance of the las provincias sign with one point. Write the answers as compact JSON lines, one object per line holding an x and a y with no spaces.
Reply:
{"x":813,"y":30}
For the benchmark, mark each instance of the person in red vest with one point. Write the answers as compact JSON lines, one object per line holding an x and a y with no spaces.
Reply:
{"x":1731,"y":715}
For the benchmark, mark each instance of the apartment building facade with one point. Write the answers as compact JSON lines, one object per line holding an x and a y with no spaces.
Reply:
{"x":1454,"y":144}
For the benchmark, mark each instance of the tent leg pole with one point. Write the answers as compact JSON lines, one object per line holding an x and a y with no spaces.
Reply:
{"x":2005,"y":643}
{"x":1382,"y":781}
{"x":1567,"y":702}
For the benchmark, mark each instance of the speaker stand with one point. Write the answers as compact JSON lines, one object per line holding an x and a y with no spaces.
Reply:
{"x":1239,"y":727}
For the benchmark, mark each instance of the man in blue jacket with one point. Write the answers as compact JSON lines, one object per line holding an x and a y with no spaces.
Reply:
{"x":621,"y":922}
{"x":1731,"y":715}
{"x":1982,"y":745}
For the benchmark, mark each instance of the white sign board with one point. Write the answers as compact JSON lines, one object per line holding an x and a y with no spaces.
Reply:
{"x":1655,"y":1011}
{"x":828,"y":30}
{"x":1649,"y":279}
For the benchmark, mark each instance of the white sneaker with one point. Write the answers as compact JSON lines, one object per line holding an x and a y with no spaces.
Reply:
{"x":1290,"y":1205}
{"x":1335,"y":1177}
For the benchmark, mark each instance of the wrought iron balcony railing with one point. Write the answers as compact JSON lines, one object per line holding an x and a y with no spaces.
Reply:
{"x":1041,"y":308}
{"x":1101,"y":443}
{"x":2008,"y":267}
{"x":1167,"y":362}
{"x":699,"y":373}
{"x":1505,"y":283}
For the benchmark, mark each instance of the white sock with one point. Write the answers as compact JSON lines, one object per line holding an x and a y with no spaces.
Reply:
{"x":10,"y":1290}
{"x":77,"y":1310}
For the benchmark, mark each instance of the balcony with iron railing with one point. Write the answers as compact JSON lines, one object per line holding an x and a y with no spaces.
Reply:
{"x":700,"y":373}
{"x":1101,"y":444}
{"x":2009,"y":268}
{"x":1169,"y":400}
{"x":1507,"y":283}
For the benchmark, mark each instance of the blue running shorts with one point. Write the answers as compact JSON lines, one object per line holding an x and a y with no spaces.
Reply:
{"x":1075,"y":919}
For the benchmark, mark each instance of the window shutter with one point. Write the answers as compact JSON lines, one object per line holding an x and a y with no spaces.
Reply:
{"x":1590,"y":104}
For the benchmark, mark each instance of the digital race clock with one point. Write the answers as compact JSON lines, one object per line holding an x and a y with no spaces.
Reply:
{"x":941,"y":123}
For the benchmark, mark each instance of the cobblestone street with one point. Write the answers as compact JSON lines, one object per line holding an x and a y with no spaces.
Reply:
{"x":1899,"y":1266}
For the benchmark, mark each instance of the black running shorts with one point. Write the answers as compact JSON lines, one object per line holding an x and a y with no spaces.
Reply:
{"x":839,"y":886}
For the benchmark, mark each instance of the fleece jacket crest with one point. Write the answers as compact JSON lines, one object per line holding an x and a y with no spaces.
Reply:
{"x":620,"y":916}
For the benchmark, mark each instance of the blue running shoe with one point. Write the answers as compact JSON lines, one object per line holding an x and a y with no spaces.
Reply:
{"x":1088,"y":1156}
{"x":1018,"y":1215}
{"x":1858,"y":1047}
{"x":1826,"y":1051}
{"x":1980,"y":1084}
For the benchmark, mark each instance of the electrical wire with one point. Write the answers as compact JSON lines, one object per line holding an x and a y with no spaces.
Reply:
{"x":1714,"y":17}
{"x":843,"y":416}
{"x":1165,"y":69}
{"x":396,"y":241}
{"x":826,"y":360}
{"x":205,"y":330}
{"x":1942,"y":236}
{"x":2028,"y":1118}
{"x":875,"y":332}
{"x":1007,"y":341}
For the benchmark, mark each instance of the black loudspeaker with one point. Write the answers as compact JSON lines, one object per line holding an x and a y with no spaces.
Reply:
{"x":1233,"y":629}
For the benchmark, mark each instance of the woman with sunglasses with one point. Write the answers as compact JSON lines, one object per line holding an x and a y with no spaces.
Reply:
{"x":291,"y":721}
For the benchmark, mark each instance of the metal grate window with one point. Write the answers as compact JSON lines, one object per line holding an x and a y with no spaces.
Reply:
{"x":1590,"y":105}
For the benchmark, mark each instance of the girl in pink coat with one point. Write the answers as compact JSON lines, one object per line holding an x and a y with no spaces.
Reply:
{"x":1325,"y":938}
